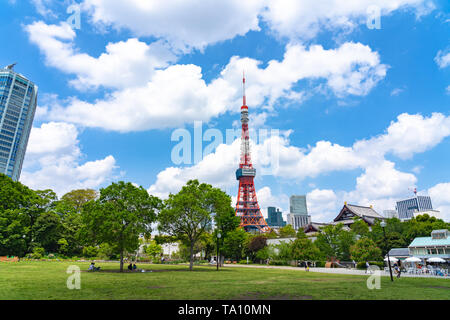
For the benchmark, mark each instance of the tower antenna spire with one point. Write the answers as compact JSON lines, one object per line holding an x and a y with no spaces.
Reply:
{"x":244,"y":99}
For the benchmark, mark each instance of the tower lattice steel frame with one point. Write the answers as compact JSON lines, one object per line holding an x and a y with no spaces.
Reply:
{"x":247,"y":207}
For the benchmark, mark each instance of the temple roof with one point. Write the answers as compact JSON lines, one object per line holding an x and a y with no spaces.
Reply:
{"x":366,"y":213}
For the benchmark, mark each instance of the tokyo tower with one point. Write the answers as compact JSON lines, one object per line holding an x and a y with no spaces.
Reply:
{"x":247,"y":207}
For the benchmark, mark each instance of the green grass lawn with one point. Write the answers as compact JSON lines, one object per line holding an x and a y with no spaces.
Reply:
{"x":47,"y":280}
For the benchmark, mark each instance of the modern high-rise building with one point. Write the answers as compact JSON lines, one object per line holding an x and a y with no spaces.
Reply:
{"x":275,"y":217}
{"x":298,"y":216}
{"x":298,"y":205}
{"x":406,"y":208}
{"x":18,"y":97}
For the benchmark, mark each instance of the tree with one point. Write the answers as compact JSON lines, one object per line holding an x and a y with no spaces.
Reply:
{"x":253,"y":244}
{"x":304,"y":249}
{"x":13,"y":194}
{"x":13,"y":230}
{"x":26,"y":204}
{"x":78,"y":198}
{"x":287,"y":231}
{"x":334,"y":242}
{"x":188,"y":214}
{"x":284,"y":251}
{"x":119,"y":216}
{"x":69,"y":208}
{"x":233,"y":244}
{"x":360,"y":228}
{"x":365,"y":250}
{"x":48,"y":231}
{"x":154,"y":250}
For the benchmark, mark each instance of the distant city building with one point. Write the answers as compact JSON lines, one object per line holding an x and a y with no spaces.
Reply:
{"x":406,"y":208}
{"x":298,"y":205}
{"x":390,"y":214}
{"x":431,"y":213}
{"x":275,"y":217}
{"x":18,"y":97}
{"x":297,"y":221}
{"x":298,"y":215}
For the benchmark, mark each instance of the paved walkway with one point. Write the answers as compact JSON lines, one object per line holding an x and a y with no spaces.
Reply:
{"x":335,"y":270}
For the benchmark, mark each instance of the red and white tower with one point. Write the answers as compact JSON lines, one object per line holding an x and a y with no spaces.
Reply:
{"x":247,"y":207}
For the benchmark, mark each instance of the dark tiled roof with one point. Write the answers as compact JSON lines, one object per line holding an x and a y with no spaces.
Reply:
{"x":364,"y":211}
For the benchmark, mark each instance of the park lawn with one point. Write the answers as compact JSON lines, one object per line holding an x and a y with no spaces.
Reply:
{"x":42,"y":280}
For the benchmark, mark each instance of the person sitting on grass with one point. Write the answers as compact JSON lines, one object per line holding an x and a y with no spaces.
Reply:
{"x":93,"y":268}
{"x":134,"y":267}
{"x":130,"y":267}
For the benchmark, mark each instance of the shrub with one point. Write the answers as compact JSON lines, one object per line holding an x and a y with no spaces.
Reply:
{"x":90,"y":251}
{"x":38,"y":252}
{"x":51,"y":256}
{"x":202,"y":261}
{"x":279,"y":263}
{"x":242,"y":262}
{"x":320,"y":264}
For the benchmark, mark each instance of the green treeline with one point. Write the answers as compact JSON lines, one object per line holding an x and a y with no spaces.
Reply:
{"x":112,"y":223}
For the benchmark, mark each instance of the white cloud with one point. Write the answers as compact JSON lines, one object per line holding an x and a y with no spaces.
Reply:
{"x":305,"y":19}
{"x":383,"y":180}
{"x":124,"y":64}
{"x":191,"y":24}
{"x":216,"y":168}
{"x":440,"y":198}
{"x":323,"y":205}
{"x":53,"y":161}
{"x":411,"y":133}
{"x":442,"y":59}
{"x":397,"y":91}
{"x":150,"y":95}
{"x":185,"y":24}
{"x":42,"y":7}
{"x":267,"y":199}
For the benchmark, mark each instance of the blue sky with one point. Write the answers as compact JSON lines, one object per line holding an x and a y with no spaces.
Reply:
{"x":363,"y":114}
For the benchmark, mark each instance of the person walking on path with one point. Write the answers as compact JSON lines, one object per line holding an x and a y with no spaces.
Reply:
{"x":399,"y":266}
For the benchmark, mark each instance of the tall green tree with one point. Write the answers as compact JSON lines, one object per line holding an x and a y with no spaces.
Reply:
{"x":47,"y":230}
{"x":119,"y":216}
{"x":287,"y":231}
{"x":234,"y":243}
{"x":153,"y":249}
{"x":304,"y":249}
{"x":188,"y":214}
{"x":365,"y":250}
{"x":334,"y":242}
{"x":361,"y":228}
{"x":13,"y":231}
{"x":69,"y":208}
{"x":78,"y":198}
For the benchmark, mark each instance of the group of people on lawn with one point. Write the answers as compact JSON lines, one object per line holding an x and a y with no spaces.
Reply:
{"x":92,"y":267}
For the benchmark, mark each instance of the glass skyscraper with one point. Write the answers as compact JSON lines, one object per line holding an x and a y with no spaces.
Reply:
{"x":18,"y":97}
{"x":406,"y":208}
{"x":298,"y":205}
{"x":298,"y":215}
{"x":275,"y":217}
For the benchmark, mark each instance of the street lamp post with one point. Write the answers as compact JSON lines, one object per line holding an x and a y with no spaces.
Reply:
{"x":218,"y":238}
{"x":383,"y":224}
